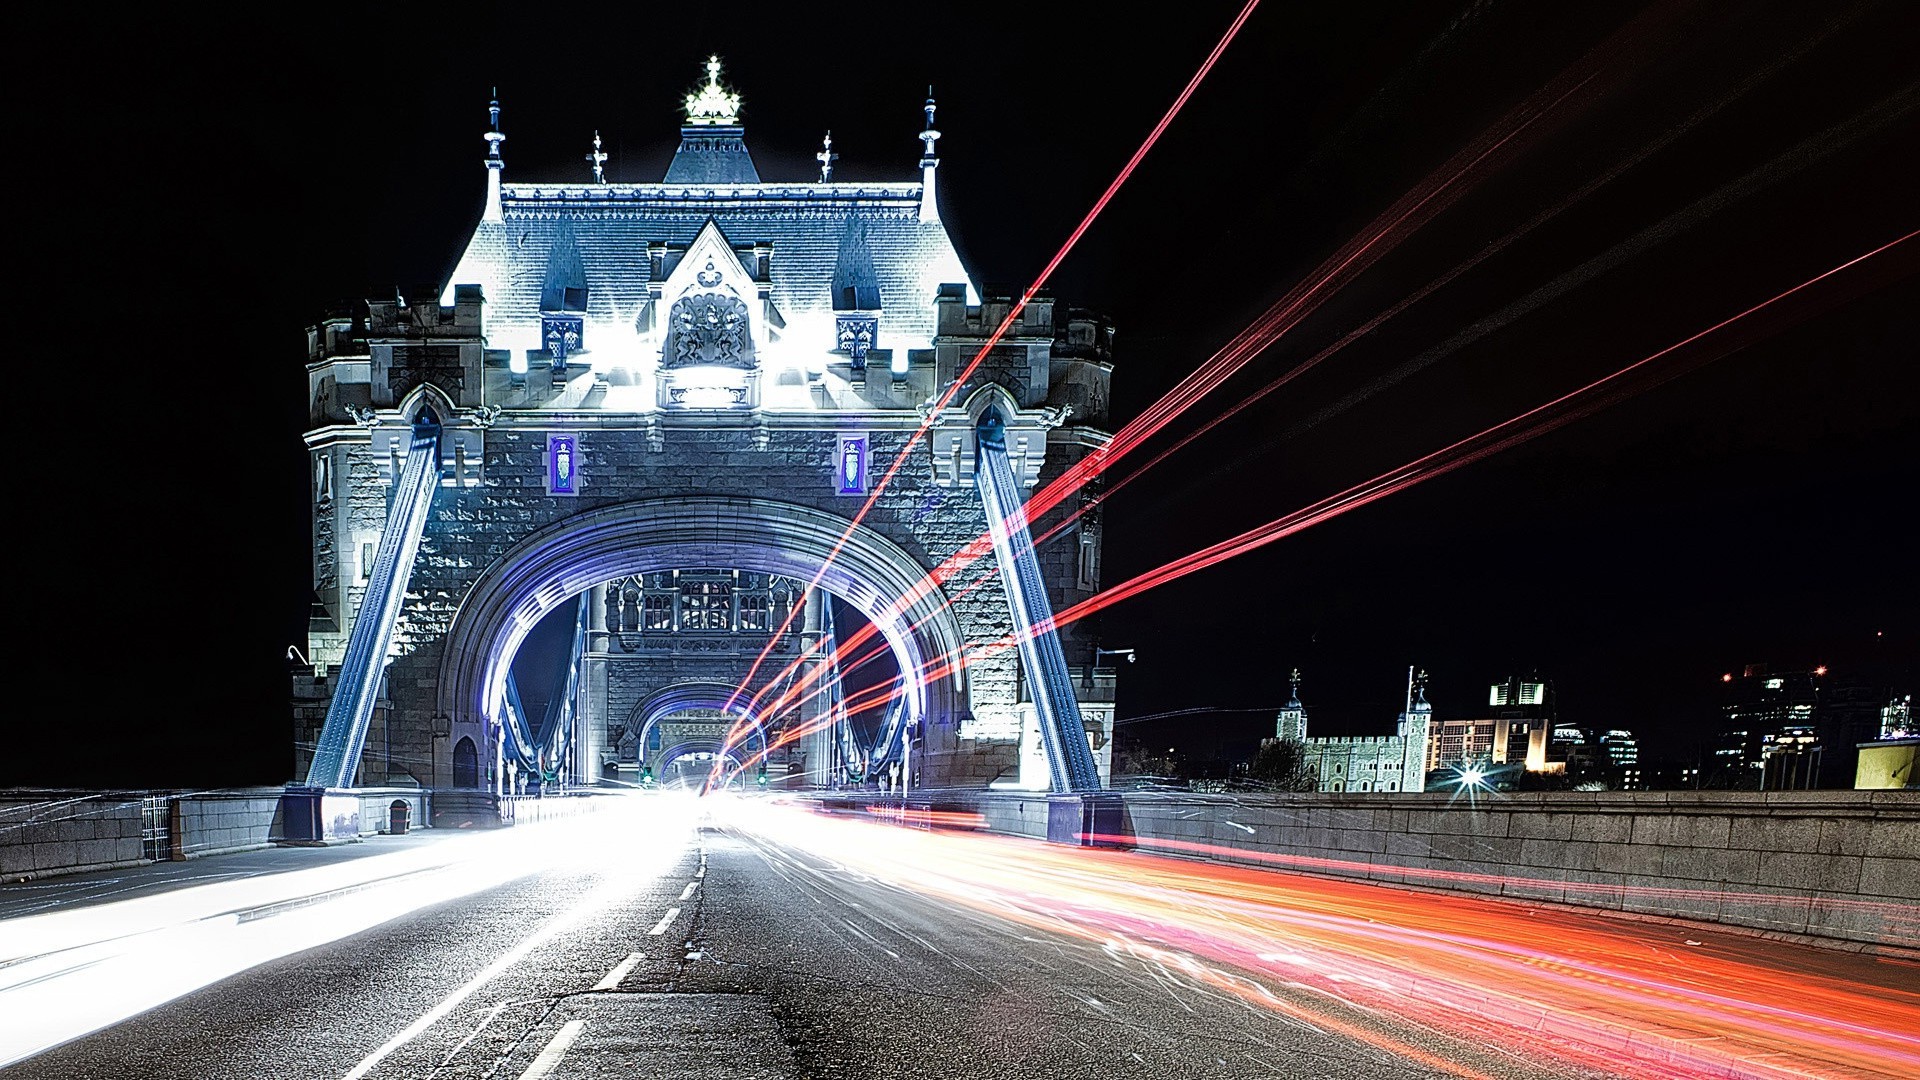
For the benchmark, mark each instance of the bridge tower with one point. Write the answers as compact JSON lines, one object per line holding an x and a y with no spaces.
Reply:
{"x":656,"y":409}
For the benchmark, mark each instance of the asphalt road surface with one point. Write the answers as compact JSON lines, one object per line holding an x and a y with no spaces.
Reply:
{"x":666,"y":942}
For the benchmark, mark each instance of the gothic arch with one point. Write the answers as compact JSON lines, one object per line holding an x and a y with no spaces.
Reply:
{"x":426,"y":397}
{"x":563,"y":560}
{"x":692,"y":694}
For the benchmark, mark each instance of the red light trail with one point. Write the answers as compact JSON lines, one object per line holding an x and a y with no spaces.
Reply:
{"x":1537,"y":421}
{"x":1013,"y":313}
{"x":1461,"y":985}
{"x":1528,"y":425}
{"x":1410,"y":212}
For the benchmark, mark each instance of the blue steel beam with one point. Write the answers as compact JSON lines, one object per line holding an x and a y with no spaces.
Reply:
{"x":1069,"y":759}
{"x":338,"y":755}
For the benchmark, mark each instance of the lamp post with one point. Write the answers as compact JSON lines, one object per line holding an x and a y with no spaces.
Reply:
{"x":1098,"y":653}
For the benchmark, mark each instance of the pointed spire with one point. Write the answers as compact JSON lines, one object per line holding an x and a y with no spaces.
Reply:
{"x":929,"y":205}
{"x":826,"y":157}
{"x":494,"y":164}
{"x":598,"y":159}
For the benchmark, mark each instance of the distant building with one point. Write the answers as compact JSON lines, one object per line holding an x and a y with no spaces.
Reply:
{"x":1851,"y":711}
{"x":1896,"y":719}
{"x":1518,"y":712}
{"x":1672,"y":775}
{"x":1620,"y":753}
{"x":1759,"y":711}
{"x":1394,"y":762}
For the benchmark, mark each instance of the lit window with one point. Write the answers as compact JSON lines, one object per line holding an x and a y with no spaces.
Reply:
{"x":753,"y":611}
{"x":706,"y":605}
{"x":659,"y":609}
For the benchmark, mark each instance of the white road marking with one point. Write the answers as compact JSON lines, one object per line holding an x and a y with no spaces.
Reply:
{"x":687,"y":893}
{"x":555,"y":1050}
{"x":431,"y":1016}
{"x":665,"y":921}
{"x":471,"y":1035}
{"x":620,"y":972}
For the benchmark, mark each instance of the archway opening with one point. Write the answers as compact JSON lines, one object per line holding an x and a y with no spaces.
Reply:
{"x":668,"y":659}
{"x":553,"y":568}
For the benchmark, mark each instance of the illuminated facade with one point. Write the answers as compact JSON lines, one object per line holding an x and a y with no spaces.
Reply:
{"x":655,"y":409}
{"x":1766,"y":718}
{"x":1372,"y":763}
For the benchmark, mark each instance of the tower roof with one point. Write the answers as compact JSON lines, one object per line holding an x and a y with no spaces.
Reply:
{"x":713,"y":147}
{"x":606,"y":247}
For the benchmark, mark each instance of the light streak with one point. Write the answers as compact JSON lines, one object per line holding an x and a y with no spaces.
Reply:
{"x":1480,"y":329}
{"x":1436,"y":978}
{"x":1573,"y":405}
{"x":1537,"y":421}
{"x":1013,"y":313}
{"x":1419,"y":205}
{"x":68,"y":972}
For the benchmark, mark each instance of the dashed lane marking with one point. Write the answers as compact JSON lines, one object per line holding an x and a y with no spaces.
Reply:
{"x":665,"y":921}
{"x":620,"y":972}
{"x":687,"y":893}
{"x":555,"y":1050}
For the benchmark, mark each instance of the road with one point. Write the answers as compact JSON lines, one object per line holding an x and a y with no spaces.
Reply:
{"x":748,"y":940}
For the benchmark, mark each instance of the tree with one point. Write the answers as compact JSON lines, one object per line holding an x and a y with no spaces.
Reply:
{"x":1282,"y":763}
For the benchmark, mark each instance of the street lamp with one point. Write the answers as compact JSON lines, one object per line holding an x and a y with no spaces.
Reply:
{"x":1098,"y":653}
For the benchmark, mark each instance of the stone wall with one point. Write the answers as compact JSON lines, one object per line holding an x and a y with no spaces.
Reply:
{"x":63,"y":832}
{"x":215,"y":822}
{"x":1837,"y":865}
{"x":43,"y":833}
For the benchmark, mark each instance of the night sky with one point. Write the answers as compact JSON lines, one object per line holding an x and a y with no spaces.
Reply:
{"x":197,"y":188}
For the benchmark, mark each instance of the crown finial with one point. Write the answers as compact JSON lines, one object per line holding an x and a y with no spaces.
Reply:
{"x":1295,"y":680}
{"x":713,"y":105}
{"x":598,"y":159}
{"x":826,"y":157}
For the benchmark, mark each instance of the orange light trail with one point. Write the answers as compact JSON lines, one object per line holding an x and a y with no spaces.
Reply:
{"x":1461,"y":985}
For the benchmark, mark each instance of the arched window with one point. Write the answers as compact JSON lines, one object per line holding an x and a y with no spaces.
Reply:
{"x":466,"y":764}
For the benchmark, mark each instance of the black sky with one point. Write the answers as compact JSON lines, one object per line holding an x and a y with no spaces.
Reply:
{"x":197,"y":187}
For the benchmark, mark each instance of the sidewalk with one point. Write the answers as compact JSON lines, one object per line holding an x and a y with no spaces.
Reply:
{"x":44,"y":895}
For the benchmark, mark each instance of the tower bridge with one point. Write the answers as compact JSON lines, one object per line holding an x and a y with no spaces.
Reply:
{"x":653,"y":412}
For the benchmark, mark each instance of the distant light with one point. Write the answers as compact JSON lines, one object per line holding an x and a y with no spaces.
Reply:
{"x":1472,"y":776}
{"x":1821,"y":670}
{"x":1728,"y":677}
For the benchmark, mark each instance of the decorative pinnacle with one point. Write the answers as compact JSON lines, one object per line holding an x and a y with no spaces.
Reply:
{"x":826,"y":157}
{"x":932,"y":134}
{"x":598,"y":159}
{"x":1295,"y":680}
{"x":714,"y":105}
{"x":493,"y":137}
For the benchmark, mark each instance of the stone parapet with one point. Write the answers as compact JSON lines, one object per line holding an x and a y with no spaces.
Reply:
{"x":1840,"y":865}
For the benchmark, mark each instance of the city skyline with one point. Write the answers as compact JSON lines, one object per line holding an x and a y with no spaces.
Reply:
{"x":1738,"y":514}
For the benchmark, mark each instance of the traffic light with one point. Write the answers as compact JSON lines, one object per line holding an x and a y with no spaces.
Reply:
{"x":646,"y":774}
{"x":763,"y":776}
